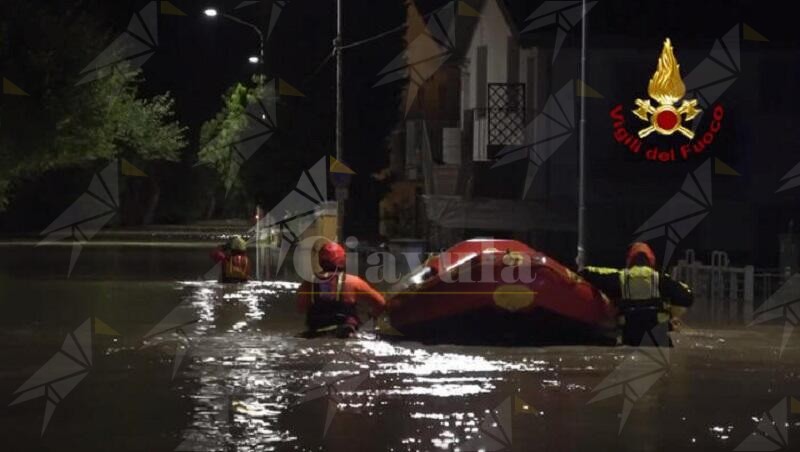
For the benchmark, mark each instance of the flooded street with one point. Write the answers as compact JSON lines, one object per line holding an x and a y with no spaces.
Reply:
{"x":424,"y":211}
{"x":182,"y":364}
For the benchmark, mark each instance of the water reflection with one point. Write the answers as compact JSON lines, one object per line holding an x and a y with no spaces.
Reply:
{"x":244,"y":381}
{"x":254,"y":385}
{"x":254,"y":377}
{"x":239,"y":393}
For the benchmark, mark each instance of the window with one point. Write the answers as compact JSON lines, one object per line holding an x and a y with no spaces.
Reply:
{"x":531,"y":79}
{"x":480,"y":80}
{"x":512,"y":63}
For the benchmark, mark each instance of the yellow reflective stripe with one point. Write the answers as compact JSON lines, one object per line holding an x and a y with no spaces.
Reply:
{"x":656,"y":284}
{"x":234,"y":271}
{"x":623,"y":284}
{"x":339,"y":284}
{"x":640,"y":271}
{"x":602,"y":270}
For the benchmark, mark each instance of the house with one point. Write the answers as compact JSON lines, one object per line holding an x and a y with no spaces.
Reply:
{"x":462,"y":106}
{"x":495,"y":80}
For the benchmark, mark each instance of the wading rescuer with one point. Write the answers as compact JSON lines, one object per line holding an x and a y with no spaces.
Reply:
{"x":646,"y":299}
{"x":330,"y":301}
{"x":233,"y":257}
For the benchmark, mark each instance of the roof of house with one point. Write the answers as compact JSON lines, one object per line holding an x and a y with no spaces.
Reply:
{"x":465,"y":25}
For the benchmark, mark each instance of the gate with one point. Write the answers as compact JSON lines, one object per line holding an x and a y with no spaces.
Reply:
{"x":722,"y":294}
{"x":725,"y":294}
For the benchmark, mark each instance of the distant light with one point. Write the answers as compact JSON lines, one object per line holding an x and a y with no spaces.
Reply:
{"x":254,"y":59}
{"x":210,"y":12}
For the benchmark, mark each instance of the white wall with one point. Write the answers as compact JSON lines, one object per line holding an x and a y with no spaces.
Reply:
{"x":493,"y":32}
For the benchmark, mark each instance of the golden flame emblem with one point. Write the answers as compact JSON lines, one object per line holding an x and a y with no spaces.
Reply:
{"x":666,"y":87}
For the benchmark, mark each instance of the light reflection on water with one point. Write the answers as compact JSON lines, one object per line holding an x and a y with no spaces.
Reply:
{"x":250,"y":371}
{"x":247,"y":383}
{"x":258,"y":387}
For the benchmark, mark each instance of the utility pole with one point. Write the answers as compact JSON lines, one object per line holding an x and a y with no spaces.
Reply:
{"x":580,"y":259}
{"x":341,"y":192}
{"x":258,"y":242}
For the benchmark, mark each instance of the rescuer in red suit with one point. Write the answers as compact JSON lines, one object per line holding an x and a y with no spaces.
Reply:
{"x":329,"y":302}
{"x":233,"y":257}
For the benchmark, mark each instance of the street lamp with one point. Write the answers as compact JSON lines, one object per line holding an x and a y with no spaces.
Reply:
{"x":212,"y":12}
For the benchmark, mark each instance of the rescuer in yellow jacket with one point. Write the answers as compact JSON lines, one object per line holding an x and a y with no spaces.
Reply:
{"x":647,"y":300}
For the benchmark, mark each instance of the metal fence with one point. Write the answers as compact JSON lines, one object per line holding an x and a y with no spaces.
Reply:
{"x":725,"y":294}
{"x":506,"y":103}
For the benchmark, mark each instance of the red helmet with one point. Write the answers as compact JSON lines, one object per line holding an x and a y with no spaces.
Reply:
{"x":331,"y":257}
{"x":640,"y":249}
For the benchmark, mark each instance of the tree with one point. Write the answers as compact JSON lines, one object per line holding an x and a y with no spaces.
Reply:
{"x":219,"y":135}
{"x":62,"y":124}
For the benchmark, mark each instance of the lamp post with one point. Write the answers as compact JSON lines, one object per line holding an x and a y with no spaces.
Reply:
{"x":580,"y":259}
{"x":341,"y":192}
{"x":212,"y":12}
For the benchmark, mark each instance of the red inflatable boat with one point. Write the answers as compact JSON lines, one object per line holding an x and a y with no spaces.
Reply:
{"x":498,"y":291}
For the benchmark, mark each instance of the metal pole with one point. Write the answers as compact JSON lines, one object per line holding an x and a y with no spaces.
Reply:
{"x":258,"y":243}
{"x":261,"y":53}
{"x":580,"y":259}
{"x":339,"y":120}
{"x":268,"y":254}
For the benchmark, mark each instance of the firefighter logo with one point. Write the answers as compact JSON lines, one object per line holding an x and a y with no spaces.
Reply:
{"x":666,"y":88}
{"x":669,"y":114}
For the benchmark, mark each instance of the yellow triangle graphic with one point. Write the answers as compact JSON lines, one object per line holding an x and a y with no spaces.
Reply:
{"x":285,"y":89}
{"x":751,"y":35}
{"x":522,"y":407}
{"x":385,"y":327}
{"x":415,"y":23}
{"x":130,"y":170}
{"x":171,"y":10}
{"x":101,"y":327}
{"x":12,"y":89}
{"x":465,"y":10}
{"x":722,"y":168}
{"x":339,"y":167}
{"x":795,"y":406}
{"x":585,"y":90}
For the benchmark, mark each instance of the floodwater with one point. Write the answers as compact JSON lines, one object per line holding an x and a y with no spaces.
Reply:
{"x":183,"y":364}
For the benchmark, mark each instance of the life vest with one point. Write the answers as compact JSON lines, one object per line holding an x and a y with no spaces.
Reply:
{"x":639,"y":283}
{"x":639,"y":286}
{"x":236,"y":268}
{"x":327,"y":306}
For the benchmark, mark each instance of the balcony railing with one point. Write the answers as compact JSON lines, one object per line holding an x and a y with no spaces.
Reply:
{"x":502,"y":123}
